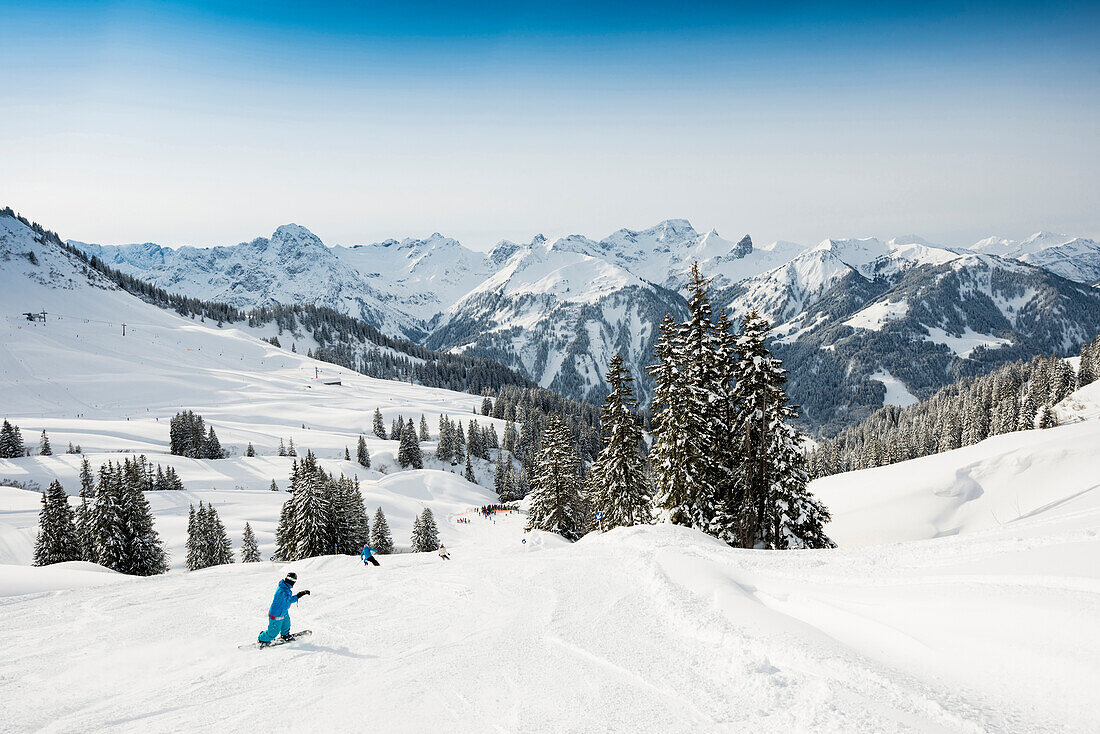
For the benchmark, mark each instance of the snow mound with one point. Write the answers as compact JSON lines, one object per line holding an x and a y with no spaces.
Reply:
{"x":1021,"y":477}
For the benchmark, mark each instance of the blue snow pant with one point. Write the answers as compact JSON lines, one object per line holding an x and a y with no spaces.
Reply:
{"x":275,"y":627}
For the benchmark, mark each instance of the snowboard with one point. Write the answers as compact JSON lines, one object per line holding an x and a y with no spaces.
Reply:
{"x":277,"y":641}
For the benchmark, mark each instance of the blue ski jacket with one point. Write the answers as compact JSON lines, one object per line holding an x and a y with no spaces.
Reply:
{"x":366,"y":553}
{"x":280,"y":605}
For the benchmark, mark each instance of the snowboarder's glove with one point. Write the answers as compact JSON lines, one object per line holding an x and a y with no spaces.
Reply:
{"x":300,"y":594}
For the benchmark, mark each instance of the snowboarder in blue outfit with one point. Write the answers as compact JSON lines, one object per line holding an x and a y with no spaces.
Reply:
{"x":367,"y":554}
{"x":278,"y":617}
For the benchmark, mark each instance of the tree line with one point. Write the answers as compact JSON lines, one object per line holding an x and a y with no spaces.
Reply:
{"x":112,"y":525}
{"x":1017,"y":397}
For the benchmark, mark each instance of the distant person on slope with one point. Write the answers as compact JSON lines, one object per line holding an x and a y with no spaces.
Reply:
{"x":278,"y":619}
{"x":367,"y":554}
{"x":443,"y":553}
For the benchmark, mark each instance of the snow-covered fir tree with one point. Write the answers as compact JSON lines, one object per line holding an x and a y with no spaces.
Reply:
{"x":793,"y":517}
{"x":194,"y":546}
{"x":468,"y":472}
{"x":85,"y":520}
{"x":290,"y":450}
{"x":311,"y":511}
{"x":212,"y":447}
{"x":57,"y":540}
{"x":250,"y":450}
{"x":502,"y":477}
{"x":11,"y":441}
{"x":444,"y":450}
{"x":1088,"y":369}
{"x":250,"y":552}
{"x":408,"y":453}
{"x":458,"y":444}
{"x":44,"y":448}
{"x":425,"y":434}
{"x":772,"y":507}
{"x":381,"y":539}
{"x":556,"y":502}
{"x":379,"y":426}
{"x":282,"y":448}
{"x":618,"y":483}
{"x":425,"y":534}
{"x":362,"y":456}
{"x":220,"y":551}
{"x":684,"y":453}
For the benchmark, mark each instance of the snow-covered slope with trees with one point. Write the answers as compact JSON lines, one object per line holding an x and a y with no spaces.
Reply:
{"x":668,"y":630}
{"x":106,"y":371}
{"x":989,"y":627}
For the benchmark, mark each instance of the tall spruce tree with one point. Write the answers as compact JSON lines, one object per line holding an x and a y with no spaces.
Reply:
{"x":211,"y":446}
{"x":1088,"y":369}
{"x":381,"y":539}
{"x":408,"y":453}
{"x":425,"y":536}
{"x":502,"y":477}
{"x":85,"y":520}
{"x":772,"y":507}
{"x":425,"y":434}
{"x":311,"y":511}
{"x":458,"y":444}
{"x":362,"y":456}
{"x":11,"y":441}
{"x":618,"y":485}
{"x":468,"y":472}
{"x":556,"y":502}
{"x":196,"y":557}
{"x":379,"y":426}
{"x":685,"y":410}
{"x":445,"y":447}
{"x":58,"y":540}
{"x":219,"y":552}
{"x":44,"y":448}
{"x":415,"y":538}
{"x":250,"y":552}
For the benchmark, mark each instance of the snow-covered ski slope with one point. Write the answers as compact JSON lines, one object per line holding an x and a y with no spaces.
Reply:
{"x":1051,"y":475}
{"x":79,"y":378}
{"x":648,"y":629}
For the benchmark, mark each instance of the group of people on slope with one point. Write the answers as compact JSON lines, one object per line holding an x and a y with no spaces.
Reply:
{"x":278,"y":615}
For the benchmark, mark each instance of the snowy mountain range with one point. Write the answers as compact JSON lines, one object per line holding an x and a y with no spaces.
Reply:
{"x":860,"y":321}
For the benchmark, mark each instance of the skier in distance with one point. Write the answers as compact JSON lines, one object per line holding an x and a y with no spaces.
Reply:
{"x":367,"y":554}
{"x":443,"y":553}
{"x":278,"y":617}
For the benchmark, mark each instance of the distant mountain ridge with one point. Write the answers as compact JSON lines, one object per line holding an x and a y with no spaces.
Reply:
{"x":860,"y":321}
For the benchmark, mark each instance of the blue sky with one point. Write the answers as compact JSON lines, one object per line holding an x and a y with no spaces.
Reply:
{"x":212,"y":123}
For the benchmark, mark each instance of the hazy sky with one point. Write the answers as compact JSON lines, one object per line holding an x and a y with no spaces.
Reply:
{"x":212,"y":123}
